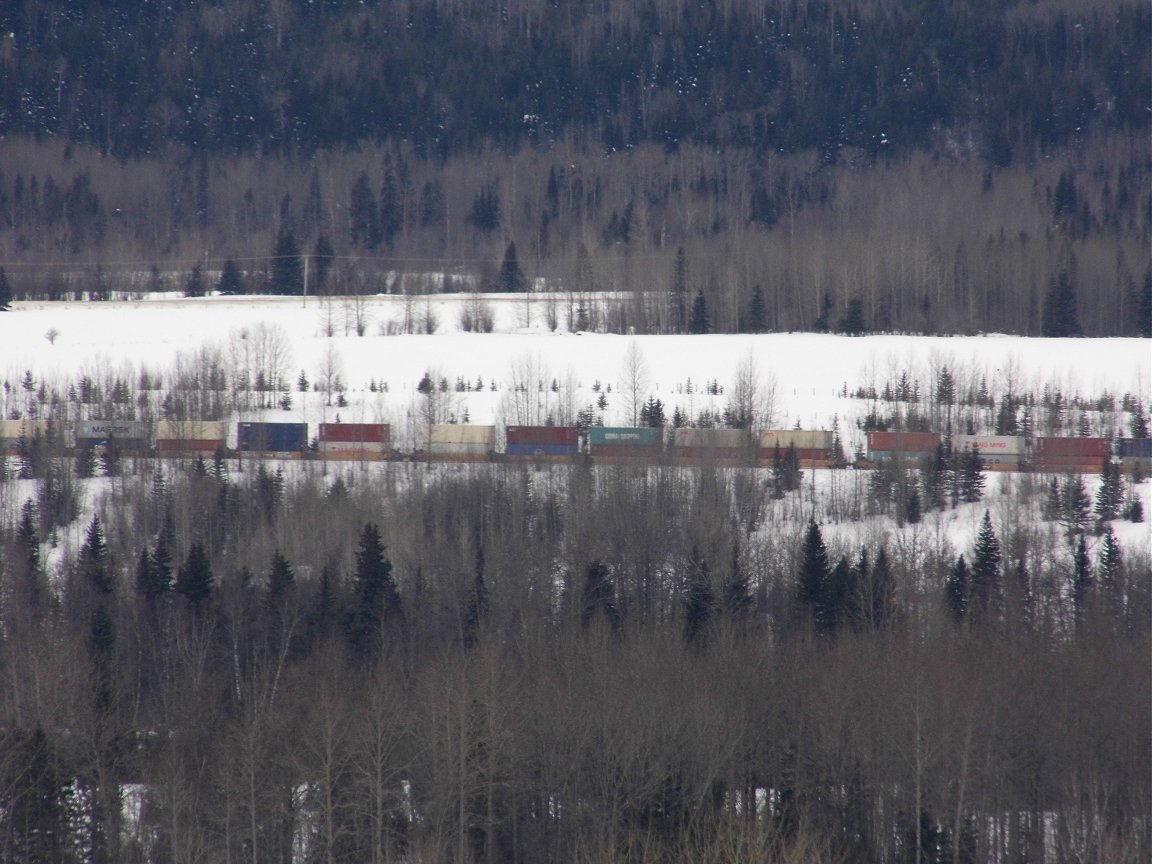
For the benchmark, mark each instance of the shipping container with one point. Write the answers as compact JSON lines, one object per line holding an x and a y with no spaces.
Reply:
{"x":358,"y":433}
{"x":1079,"y":448}
{"x":546,"y":435}
{"x":12,"y":430}
{"x":378,"y":447}
{"x":460,"y":433}
{"x":718,"y":439}
{"x":177,"y":446}
{"x":624,"y":436}
{"x":989,"y":445}
{"x":901,"y":442}
{"x":801,"y":439}
{"x":617,"y":454}
{"x":271,"y":437}
{"x":190,"y":430}
{"x":1135,"y":448}
{"x":121,"y":430}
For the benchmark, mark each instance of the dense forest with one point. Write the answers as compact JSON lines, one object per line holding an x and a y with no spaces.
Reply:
{"x":891,"y":165}
{"x":230,"y":662}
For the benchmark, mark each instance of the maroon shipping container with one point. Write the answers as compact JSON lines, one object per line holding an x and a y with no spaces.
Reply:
{"x":624,"y":453}
{"x":355,"y":433}
{"x":903,"y":442}
{"x":1079,"y":448}
{"x":542,"y":435}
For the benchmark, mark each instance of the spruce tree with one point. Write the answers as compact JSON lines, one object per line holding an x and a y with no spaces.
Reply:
{"x":598,"y":597}
{"x":5,"y":291}
{"x":971,"y":476}
{"x":363,"y":215}
{"x":377,"y":601}
{"x":1075,"y":507}
{"x":1110,"y":563}
{"x":699,"y":599}
{"x":287,"y":267}
{"x":956,"y":590}
{"x":757,"y":321}
{"x":700,"y":322}
{"x":1082,"y":580}
{"x":852,"y":324}
{"x":812,"y":580}
{"x":511,"y":279}
{"x":194,"y":579}
{"x":1110,"y":493}
{"x":1059,"y":316}
{"x":280,"y":578}
{"x":985,"y":577}
{"x":231,"y":280}
{"x":94,"y":567}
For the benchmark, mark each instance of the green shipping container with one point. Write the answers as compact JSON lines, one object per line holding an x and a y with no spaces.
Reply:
{"x":613,"y":436}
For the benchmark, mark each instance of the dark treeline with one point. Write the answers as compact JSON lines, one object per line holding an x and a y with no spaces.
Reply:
{"x":577,"y":664}
{"x":908,"y":166}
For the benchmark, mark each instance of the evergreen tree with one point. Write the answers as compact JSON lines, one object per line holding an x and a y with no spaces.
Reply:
{"x":699,"y":599}
{"x":840,"y":590}
{"x":33,"y":799}
{"x":1110,"y":564}
{"x":391,"y":207}
{"x":881,"y":588}
{"x":485,"y":213}
{"x":1075,"y":507}
{"x":287,"y":267}
{"x":511,"y":279}
{"x":195,"y":286}
{"x":377,"y":602}
{"x":757,"y":321}
{"x":700,"y":322}
{"x":5,"y":291}
{"x":363,"y":215}
{"x":194,"y":579}
{"x":281,"y":579}
{"x":985,"y":591}
{"x":812,"y":581}
{"x":956,"y":589}
{"x":852,"y":324}
{"x":1082,"y":581}
{"x":94,"y":567}
{"x":231,"y":280}
{"x":599,"y":597}
{"x":1059,"y":316}
{"x":971,"y":476}
{"x":323,"y":257}
{"x":936,"y":478}
{"x":912,"y":509}
{"x":1110,"y":494}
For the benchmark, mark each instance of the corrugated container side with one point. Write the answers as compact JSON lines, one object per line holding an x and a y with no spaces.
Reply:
{"x":1135,"y":448}
{"x":352,"y":447}
{"x":802,"y":453}
{"x":191,"y":430}
{"x":624,"y":452}
{"x":892,"y":442}
{"x":459,"y":447}
{"x":1057,"y":447}
{"x":541,"y":449}
{"x":1069,"y":464}
{"x":617,"y":436}
{"x":717,"y":438}
{"x":272,"y":437}
{"x":123,"y":444}
{"x":801,"y":439}
{"x":14,"y":429}
{"x":549,"y":435}
{"x":448,"y":433}
{"x":360,"y":433}
{"x":103,"y":429}
{"x":187,"y":445}
{"x":989,"y":444}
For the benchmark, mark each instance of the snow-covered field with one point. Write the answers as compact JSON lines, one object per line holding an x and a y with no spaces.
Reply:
{"x":809,"y":373}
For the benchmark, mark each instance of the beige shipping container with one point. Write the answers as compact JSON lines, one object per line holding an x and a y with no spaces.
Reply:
{"x":721,"y":439}
{"x":191,"y":430}
{"x":458,"y":433}
{"x":352,"y":447}
{"x":13,"y":429}
{"x":801,"y":439}
{"x":989,"y":445}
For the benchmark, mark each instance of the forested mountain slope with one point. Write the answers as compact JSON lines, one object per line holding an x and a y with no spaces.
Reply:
{"x":942,"y":163}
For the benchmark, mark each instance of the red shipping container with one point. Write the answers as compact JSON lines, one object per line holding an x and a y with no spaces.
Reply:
{"x":1073,"y":447}
{"x":543,"y":435}
{"x":355,"y":433}
{"x":186,"y":445}
{"x":903,"y":442}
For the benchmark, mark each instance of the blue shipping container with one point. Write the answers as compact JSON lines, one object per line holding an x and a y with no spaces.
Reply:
{"x":541,"y":450}
{"x":1136,"y":448}
{"x":272,"y":437}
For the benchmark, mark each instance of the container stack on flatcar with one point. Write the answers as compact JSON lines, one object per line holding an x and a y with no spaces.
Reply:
{"x":813,"y":448}
{"x":1135,"y":455}
{"x":997,"y":452}
{"x":127,"y":436}
{"x":15,"y":434}
{"x":355,"y":441}
{"x":1075,"y":455}
{"x":458,"y":442}
{"x":272,"y":440}
{"x":908,"y":448}
{"x":624,"y":444}
{"x":190,"y":437}
{"x":728,"y":448}
{"x":541,"y":443}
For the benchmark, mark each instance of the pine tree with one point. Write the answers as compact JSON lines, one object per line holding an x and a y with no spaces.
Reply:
{"x":985,"y":577}
{"x":852,"y":324}
{"x":287,"y":267}
{"x":700,"y":322}
{"x":231,"y":280}
{"x":1059,"y":316}
{"x":812,"y":580}
{"x":194,"y":579}
{"x":281,"y":579}
{"x":323,"y":256}
{"x":956,"y":590}
{"x":511,"y":279}
{"x":1075,"y":507}
{"x":1110,"y":563}
{"x":1082,"y":581}
{"x":5,"y":291}
{"x":757,"y":312}
{"x":1110,"y":494}
{"x":971,"y":476}
{"x":840,"y":590}
{"x":94,"y":567}
{"x":699,"y":599}
{"x":377,"y":602}
{"x":363,"y":215}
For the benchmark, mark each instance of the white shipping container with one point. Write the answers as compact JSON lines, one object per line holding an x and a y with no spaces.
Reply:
{"x":191,"y":430}
{"x":989,"y":445}
{"x":725,"y":439}
{"x":801,"y":439}
{"x":448,"y":433}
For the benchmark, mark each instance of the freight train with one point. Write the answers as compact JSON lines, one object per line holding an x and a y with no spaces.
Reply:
{"x":541,"y":444}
